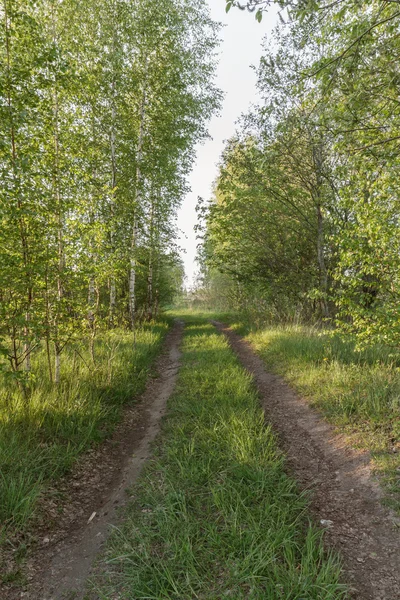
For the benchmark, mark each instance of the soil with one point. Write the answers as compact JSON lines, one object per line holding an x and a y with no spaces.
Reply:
{"x":61,"y":563}
{"x":343,"y":488}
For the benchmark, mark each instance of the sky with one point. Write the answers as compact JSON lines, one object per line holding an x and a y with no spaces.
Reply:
{"x":241,"y":37}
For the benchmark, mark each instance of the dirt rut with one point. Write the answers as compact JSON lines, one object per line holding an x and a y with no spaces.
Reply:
{"x":343,"y":487}
{"x":73,"y":557}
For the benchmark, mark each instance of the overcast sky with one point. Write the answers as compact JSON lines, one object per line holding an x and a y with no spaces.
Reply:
{"x":240,"y":48}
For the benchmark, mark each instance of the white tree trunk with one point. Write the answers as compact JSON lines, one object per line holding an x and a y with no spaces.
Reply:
{"x":27,"y":344}
{"x":132,"y":276}
{"x":27,"y":349}
{"x":150,"y":287}
{"x":113,"y":300}
{"x":139,"y":156}
{"x":323,"y":272}
{"x":91,"y":302}
{"x":60,"y":218}
{"x":113,"y":291}
{"x":91,"y":313}
{"x":57,"y":366}
{"x":151,"y":259}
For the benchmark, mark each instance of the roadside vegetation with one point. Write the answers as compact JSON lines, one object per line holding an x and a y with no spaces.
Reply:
{"x":41,"y":439}
{"x":214,"y":515}
{"x":302,"y":231}
{"x":359,"y":392}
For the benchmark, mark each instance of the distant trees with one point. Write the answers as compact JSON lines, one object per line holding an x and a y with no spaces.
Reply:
{"x":101,"y":104}
{"x":305,"y":213}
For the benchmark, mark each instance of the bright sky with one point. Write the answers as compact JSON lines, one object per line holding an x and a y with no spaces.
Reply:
{"x":240,"y":48}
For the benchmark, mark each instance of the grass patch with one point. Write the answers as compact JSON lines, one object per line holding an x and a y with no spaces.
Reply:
{"x":359,"y":392}
{"x":41,"y":439}
{"x":214,"y":515}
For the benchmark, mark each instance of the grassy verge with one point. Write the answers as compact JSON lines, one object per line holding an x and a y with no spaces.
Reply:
{"x":357,"y":392}
{"x":41,"y":439}
{"x":214,"y":514}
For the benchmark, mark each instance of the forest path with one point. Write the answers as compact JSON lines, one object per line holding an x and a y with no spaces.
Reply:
{"x":344,"y":491}
{"x":73,"y":558}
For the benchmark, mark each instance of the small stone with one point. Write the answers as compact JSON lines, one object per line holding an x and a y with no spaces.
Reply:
{"x":326,"y":523}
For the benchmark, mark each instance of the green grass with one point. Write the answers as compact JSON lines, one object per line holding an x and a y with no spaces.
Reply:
{"x":41,"y":439}
{"x":214,"y":515}
{"x":359,"y":392}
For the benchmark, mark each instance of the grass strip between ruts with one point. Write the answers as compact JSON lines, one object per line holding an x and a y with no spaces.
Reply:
{"x":214,"y":514}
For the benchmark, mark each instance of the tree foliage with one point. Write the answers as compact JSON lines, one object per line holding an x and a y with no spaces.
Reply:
{"x":305,"y":210}
{"x":101,"y":105}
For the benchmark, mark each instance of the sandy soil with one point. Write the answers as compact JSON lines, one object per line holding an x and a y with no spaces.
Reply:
{"x":343,"y":488}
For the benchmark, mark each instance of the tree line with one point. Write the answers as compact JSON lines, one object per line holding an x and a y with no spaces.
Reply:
{"x":304,"y":222}
{"x":101,"y":105}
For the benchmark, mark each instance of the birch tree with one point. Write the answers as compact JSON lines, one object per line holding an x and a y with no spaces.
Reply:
{"x":101,"y":105}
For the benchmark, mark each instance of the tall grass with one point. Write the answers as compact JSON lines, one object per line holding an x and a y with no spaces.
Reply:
{"x":215,"y":515}
{"x":41,"y":438}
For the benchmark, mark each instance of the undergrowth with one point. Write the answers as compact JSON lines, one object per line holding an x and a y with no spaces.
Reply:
{"x":214,"y":515}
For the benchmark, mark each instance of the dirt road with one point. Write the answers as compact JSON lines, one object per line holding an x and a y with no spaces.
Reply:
{"x":345,"y":496}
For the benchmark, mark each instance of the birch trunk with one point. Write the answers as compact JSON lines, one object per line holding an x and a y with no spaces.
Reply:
{"x":91,"y":302}
{"x":150,"y":288}
{"x":156,"y":294}
{"x":48,"y":328}
{"x":113,"y":290}
{"x":323,"y":273}
{"x":156,"y":291}
{"x":21,"y":222}
{"x":92,"y":257}
{"x":60,"y":223}
{"x":132,"y":277}
{"x":151,"y":259}
{"x":27,"y":347}
{"x":57,"y":365}
{"x":139,"y":156}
